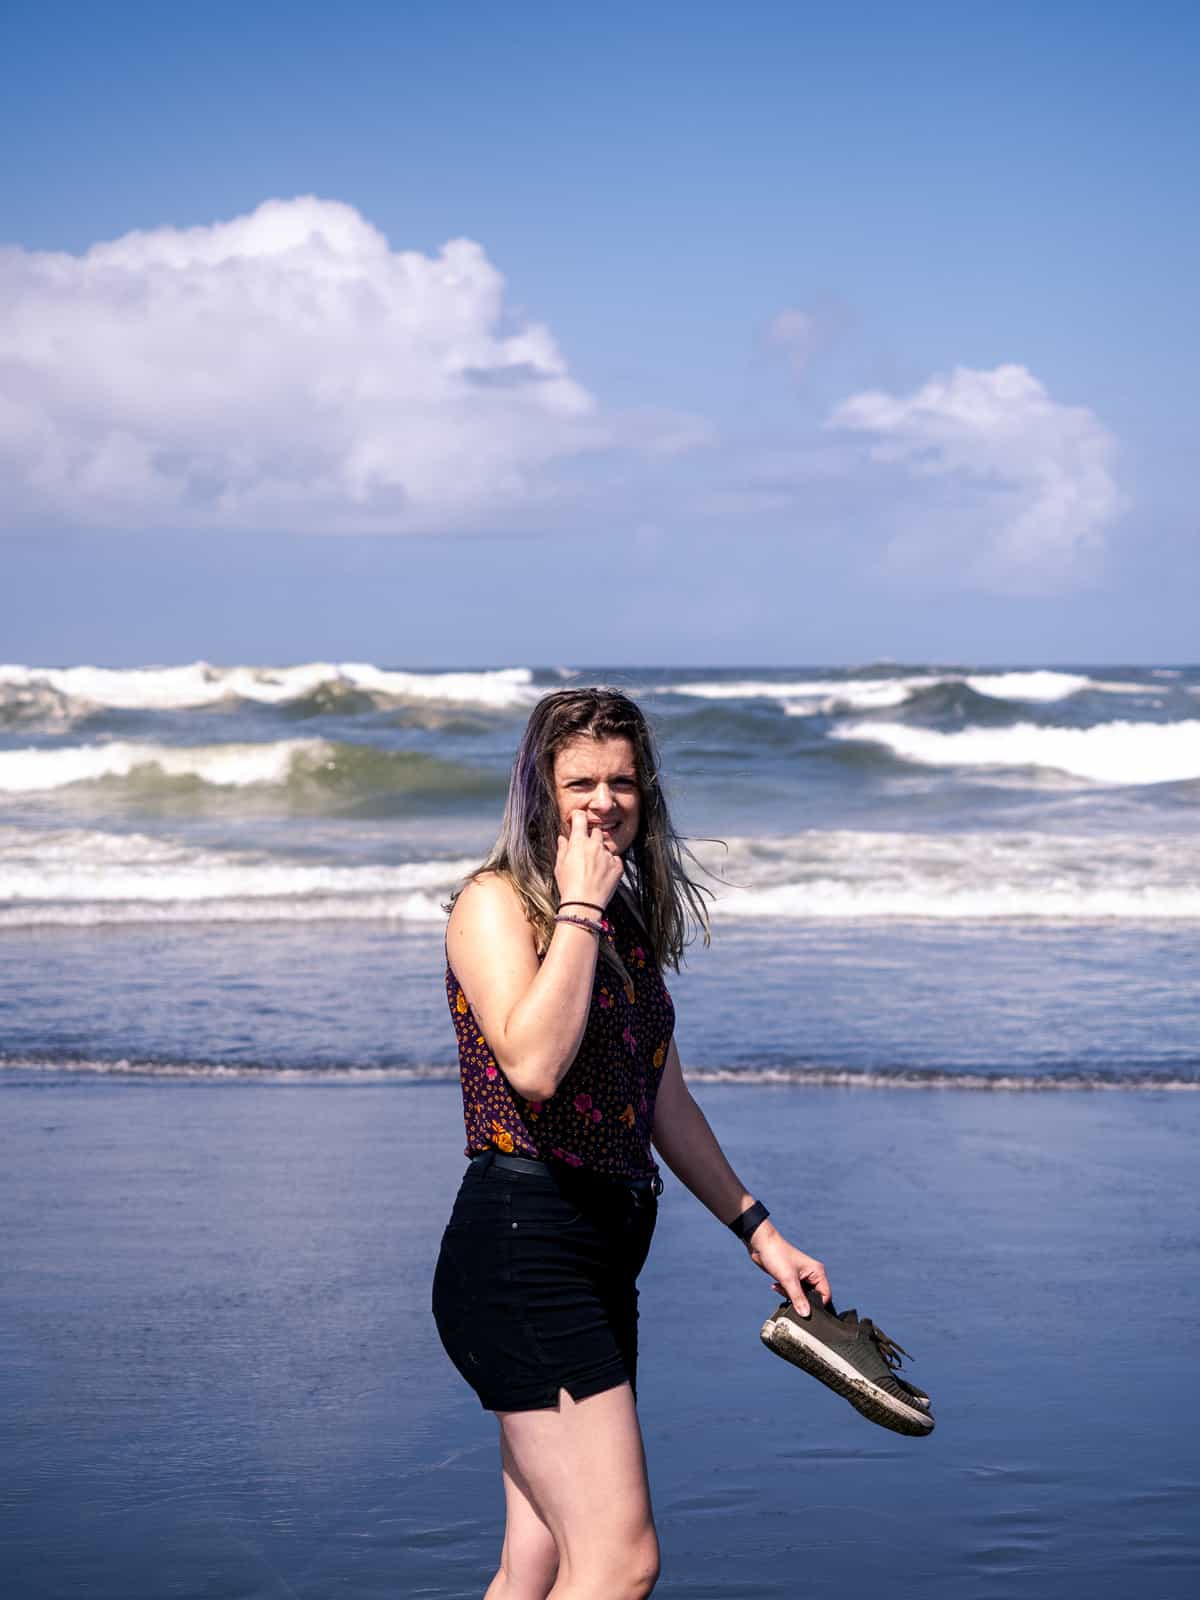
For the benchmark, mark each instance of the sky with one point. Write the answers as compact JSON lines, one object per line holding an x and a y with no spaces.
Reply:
{"x":462,"y":335}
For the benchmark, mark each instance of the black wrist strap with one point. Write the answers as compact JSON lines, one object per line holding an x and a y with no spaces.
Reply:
{"x":745,"y":1225}
{"x":591,"y":903}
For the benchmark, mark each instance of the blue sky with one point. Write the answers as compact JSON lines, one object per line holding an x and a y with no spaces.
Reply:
{"x":786,"y":334}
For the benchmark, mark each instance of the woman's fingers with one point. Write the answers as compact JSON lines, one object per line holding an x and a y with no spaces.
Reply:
{"x":585,"y":869}
{"x":795,"y":1293}
{"x":810,"y":1279}
{"x":585,"y":841}
{"x":819,"y":1280}
{"x":796,"y":1275}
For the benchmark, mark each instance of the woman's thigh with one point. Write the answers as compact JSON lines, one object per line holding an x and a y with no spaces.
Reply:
{"x":583,"y":1467}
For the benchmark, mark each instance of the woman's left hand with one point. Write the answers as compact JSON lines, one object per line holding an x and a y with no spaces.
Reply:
{"x":791,"y":1271}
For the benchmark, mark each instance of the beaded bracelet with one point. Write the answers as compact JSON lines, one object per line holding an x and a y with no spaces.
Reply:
{"x":602,"y":927}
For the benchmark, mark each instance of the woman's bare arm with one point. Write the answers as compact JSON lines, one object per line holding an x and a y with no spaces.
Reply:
{"x":686,"y":1142}
{"x":533,"y":1016}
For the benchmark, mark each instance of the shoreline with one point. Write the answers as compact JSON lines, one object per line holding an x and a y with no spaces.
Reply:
{"x":880,"y":1081}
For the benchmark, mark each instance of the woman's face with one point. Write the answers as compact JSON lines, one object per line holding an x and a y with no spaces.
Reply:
{"x":599,"y":778}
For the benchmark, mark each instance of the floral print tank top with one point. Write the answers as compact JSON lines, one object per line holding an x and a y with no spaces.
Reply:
{"x":602,"y":1113}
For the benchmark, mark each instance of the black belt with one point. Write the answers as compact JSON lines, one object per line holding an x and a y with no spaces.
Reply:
{"x":492,"y":1158}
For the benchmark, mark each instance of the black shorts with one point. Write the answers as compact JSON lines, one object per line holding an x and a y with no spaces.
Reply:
{"x":535,"y":1288}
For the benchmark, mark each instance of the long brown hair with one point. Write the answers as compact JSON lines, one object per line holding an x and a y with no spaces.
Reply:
{"x":670,"y":903}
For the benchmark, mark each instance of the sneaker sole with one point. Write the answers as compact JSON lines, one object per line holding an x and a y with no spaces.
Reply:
{"x":786,"y":1339}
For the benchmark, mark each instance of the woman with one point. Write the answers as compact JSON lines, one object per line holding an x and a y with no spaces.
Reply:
{"x":555,"y":950}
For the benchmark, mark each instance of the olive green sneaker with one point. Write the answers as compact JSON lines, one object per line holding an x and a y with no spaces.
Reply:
{"x":855,"y":1359}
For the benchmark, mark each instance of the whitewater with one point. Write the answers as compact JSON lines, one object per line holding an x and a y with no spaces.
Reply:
{"x":935,"y":872}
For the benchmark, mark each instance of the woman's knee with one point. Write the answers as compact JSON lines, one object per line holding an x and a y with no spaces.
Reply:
{"x":518,"y":1584}
{"x":639,"y":1567}
{"x":522,"y":1582}
{"x":648,"y":1570}
{"x":624,"y":1570}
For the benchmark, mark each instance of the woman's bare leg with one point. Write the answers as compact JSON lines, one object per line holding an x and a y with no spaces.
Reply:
{"x":581,"y":1469}
{"x":529,"y":1559}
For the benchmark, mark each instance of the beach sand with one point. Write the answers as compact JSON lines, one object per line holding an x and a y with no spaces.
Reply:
{"x":219,"y":1376}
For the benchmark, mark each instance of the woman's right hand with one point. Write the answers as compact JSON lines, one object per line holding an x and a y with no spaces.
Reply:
{"x":585,"y":869}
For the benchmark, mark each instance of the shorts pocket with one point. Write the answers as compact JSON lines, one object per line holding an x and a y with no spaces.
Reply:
{"x":543,"y":1208}
{"x":481,"y":1208}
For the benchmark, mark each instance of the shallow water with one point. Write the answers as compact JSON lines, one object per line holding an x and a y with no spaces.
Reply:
{"x":1024,"y":1004}
{"x":218,"y":1375}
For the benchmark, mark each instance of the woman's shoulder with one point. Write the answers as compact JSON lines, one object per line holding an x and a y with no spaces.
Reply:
{"x":486,"y":905}
{"x":487,"y":887}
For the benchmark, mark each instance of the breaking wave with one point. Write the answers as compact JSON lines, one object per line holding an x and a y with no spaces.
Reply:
{"x":851,"y":875}
{"x":829,"y":696}
{"x":60,"y":694}
{"x":85,"y":878}
{"x":306,"y":773}
{"x":1110,"y":753}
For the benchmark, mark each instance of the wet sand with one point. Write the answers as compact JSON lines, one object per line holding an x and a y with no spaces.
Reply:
{"x":218,"y":1374}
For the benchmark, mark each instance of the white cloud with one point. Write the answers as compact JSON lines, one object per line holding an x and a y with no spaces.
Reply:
{"x":797,"y":332}
{"x":285,"y":369}
{"x":1016,"y":489}
{"x":804,"y":335}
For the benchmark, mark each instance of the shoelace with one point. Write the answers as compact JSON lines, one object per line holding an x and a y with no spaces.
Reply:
{"x":888,"y":1348}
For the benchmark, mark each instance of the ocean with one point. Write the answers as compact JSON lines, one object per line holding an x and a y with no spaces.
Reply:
{"x":947,"y":1027}
{"x":923,"y":874}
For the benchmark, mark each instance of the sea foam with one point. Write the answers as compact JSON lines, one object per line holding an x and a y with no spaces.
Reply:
{"x":229,"y":765}
{"x":350,"y":1075}
{"x":1044,"y":685}
{"x":300,"y":769}
{"x":802,"y":697}
{"x":199,"y":684}
{"x":1110,"y":753}
{"x":853,"y":875}
{"x":85,"y":878}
